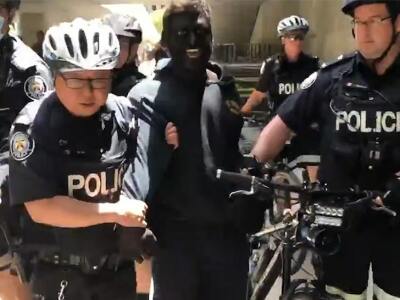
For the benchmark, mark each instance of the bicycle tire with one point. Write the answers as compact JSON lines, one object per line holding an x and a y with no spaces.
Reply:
{"x":268,"y":277}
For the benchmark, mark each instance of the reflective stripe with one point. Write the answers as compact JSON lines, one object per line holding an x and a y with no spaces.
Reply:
{"x":382,"y":295}
{"x":336,"y":291}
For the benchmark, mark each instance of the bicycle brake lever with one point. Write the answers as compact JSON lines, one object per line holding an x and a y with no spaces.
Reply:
{"x":384,"y":209}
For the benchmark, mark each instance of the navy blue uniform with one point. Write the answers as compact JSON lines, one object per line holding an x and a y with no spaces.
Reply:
{"x":358,"y":113}
{"x":125,"y":78}
{"x":280,"y":79}
{"x":24,"y":77}
{"x":54,"y":153}
{"x":204,"y":252}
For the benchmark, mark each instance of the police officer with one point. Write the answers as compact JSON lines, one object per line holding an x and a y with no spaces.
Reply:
{"x":356,"y":103}
{"x":282,"y":73}
{"x":69,"y":154}
{"x":24,"y":77}
{"x":281,"y":76}
{"x":129,"y":33}
{"x":203,"y":247}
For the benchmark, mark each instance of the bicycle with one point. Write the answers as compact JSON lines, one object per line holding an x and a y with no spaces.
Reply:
{"x":323,"y":214}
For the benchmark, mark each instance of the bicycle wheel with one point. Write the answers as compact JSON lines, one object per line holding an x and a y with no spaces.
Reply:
{"x":268,"y":277}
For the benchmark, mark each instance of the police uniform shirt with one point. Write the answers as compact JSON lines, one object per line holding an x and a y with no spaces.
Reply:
{"x":24,"y":77}
{"x":54,"y":153}
{"x":359,"y":117}
{"x":281,"y":78}
{"x":125,"y":78}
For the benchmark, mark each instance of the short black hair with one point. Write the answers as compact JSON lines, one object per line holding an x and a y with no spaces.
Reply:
{"x":181,"y":6}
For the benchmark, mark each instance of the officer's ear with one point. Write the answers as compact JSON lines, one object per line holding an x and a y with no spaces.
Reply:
{"x":353,"y":33}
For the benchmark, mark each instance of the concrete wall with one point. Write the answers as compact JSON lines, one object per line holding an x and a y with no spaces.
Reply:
{"x":330,"y":33}
{"x":331,"y":29}
{"x":233,"y":22}
{"x":52,"y":12}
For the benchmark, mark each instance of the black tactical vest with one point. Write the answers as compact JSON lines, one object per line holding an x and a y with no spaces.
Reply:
{"x":361,"y":134}
{"x":88,"y":159}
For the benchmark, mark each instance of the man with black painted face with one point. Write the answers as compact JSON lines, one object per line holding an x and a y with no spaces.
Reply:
{"x":203,"y":246}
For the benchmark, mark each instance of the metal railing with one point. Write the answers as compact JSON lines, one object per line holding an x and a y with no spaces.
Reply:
{"x":251,"y":52}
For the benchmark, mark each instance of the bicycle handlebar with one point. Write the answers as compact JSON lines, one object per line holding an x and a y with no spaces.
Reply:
{"x":362,"y":198}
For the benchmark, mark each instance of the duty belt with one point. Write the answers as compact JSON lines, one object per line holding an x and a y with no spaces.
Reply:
{"x":87,"y":265}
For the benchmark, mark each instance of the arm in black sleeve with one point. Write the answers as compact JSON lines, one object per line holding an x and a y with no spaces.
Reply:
{"x":303,"y":108}
{"x":32,"y":170}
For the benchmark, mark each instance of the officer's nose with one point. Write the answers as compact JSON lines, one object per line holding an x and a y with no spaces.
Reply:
{"x":87,"y":92}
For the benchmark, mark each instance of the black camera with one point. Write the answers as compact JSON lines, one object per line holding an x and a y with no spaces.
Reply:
{"x":320,"y":227}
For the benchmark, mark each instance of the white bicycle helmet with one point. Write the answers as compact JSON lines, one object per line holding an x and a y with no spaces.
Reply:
{"x":292,"y":23}
{"x":81,"y":45}
{"x":124,"y":25}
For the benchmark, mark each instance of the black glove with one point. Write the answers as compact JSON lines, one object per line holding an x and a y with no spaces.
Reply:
{"x":391,"y":198}
{"x":149,"y":244}
{"x":137,"y":243}
{"x":247,"y":212}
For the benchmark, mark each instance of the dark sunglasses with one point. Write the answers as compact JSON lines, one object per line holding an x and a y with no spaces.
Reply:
{"x":294,"y":37}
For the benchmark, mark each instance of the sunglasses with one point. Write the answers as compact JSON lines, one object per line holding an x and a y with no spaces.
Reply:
{"x":78,"y":83}
{"x":294,"y":37}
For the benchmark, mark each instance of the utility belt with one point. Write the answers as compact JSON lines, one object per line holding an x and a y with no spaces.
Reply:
{"x":87,"y":265}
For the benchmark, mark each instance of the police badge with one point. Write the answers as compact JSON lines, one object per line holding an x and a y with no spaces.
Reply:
{"x":21,"y":146}
{"x":309,"y":81}
{"x":35,"y":87}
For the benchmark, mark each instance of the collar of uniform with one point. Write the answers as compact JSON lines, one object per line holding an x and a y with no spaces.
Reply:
{"x":106,"y":113}
{"x":362,"y":65}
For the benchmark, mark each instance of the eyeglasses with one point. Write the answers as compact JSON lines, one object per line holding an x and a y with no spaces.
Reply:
{"x":294,"y":37}
{"x":78,"y":83}
{"x":371,"y":23}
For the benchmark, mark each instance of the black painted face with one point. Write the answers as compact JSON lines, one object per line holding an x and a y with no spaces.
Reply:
{"x":189,"y":41}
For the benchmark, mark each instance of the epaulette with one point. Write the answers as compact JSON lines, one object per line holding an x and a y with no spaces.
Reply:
{"x":23,"y":56}
{"x":342,"y":59}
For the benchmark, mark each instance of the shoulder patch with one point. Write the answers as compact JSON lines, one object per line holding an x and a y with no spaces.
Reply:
{"x":309,"y":81}
{"x":21,"y":146}
{"x":35,"y":87}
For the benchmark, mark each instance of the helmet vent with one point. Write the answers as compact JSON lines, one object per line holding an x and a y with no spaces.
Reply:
{"x":52,"y":43}
{"x":110,"y":39}
{"x":70,"y":47}
{"x":96,"y":43}
{"x":83,"y":43}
